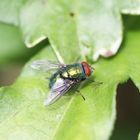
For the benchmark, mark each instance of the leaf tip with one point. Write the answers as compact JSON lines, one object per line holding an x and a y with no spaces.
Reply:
{"x":105,"y":52}
{"x":29,"y":43}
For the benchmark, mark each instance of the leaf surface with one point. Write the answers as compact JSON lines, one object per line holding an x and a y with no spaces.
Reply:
{"x":96,"y":25}
{"x":23,"y":114}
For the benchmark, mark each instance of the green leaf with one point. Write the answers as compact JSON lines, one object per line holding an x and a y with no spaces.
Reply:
{"x":90,"y":28}
{"x":24,"y":115}
{"x":62,"y":38}
{"x":95,"y":25}
{"x":9,"y":11}
{"x":130,"y":7}
{"x":33,"y":22}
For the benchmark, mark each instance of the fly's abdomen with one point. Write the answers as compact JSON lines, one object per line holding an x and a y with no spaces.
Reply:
{"x":53,"y":79}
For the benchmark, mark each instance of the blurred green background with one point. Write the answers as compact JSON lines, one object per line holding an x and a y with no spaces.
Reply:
{"x":14,"y":54}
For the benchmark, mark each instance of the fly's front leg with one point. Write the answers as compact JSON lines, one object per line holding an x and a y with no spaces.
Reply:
{"x":77,"y":59}
{"x":79,"y":93}
{"x":96,"y":82}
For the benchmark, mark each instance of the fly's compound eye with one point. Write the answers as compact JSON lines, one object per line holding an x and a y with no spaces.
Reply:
{"x":87,"y":68}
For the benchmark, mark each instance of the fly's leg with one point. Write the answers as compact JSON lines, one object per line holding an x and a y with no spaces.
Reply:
{"x":96,"y":83}
{"x":90,"y":82}
{"x":77,"y":59}
{"x":79,"y":93}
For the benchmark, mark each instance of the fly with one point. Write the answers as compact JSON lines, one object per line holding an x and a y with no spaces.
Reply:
{"x":64,"y":77}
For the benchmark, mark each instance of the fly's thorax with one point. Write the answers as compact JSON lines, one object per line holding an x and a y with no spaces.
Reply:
{"x":73,"y":72}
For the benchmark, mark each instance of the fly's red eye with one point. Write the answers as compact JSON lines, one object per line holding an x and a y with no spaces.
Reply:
{"x":86,"y":68}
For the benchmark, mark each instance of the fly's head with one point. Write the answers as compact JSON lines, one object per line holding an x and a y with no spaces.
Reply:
{"x":87,"y":68}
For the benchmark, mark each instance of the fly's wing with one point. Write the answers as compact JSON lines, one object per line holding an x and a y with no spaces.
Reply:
{"x":46,"y":65}
{"x":60,"y":87}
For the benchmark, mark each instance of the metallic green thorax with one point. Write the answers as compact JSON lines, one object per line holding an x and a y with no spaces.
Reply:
{"x":72,"y":72}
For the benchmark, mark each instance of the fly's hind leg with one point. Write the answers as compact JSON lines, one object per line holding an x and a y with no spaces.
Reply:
{"x":79,"y":93}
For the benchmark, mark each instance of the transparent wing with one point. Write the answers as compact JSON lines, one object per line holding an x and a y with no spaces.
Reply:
{"x":59,"y":88}
{"x":46,"y":65}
